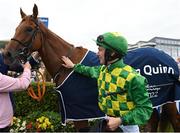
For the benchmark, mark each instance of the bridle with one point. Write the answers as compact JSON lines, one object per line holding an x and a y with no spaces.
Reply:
{"x":24,"y":53}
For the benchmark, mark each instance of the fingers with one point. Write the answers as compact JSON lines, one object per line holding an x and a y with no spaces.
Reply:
{"x":64,"y":58}
{"x":113,"y":123}
{"x":67,"y":62}
{"x":27,"y":65}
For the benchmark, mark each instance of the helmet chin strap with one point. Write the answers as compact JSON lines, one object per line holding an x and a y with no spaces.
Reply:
{"x":112,"y":61}
{"x":111,"y":57}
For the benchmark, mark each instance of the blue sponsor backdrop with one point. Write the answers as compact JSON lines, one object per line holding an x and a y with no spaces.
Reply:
{"x":161,"y":71}
{"x":44,"y":20}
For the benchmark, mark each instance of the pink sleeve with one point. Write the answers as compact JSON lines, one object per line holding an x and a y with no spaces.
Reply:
{"x":8,"y":83}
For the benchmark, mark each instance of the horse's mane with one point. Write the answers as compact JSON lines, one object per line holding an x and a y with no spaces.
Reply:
{"x":58,"y":48}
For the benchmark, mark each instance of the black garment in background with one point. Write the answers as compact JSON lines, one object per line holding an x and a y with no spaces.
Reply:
{"x":6,"y":129}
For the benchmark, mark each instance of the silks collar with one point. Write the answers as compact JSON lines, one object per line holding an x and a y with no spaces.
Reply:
{"x":118,"y":63}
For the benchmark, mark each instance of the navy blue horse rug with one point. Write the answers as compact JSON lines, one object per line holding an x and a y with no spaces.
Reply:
{"x":161,"y":71}
{"x":79,"y":94}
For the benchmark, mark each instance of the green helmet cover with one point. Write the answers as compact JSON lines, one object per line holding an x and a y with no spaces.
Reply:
{"x":113,"y":41}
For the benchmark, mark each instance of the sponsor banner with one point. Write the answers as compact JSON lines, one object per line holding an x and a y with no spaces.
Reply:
{"x":161,"y":71}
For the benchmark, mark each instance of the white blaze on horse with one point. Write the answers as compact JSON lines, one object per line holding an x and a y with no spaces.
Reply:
{"x":79,"y":103}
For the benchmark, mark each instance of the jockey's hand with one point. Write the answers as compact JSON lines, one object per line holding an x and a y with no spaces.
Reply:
{"x":67,"y":62}
{"x":113,"y":123}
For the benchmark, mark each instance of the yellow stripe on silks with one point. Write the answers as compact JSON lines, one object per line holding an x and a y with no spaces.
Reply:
{"x":130,"y":76}
{"x":110,"y":111}
{"x":130,"y":105}
{"x":121,"y":82}
{"x":108,"y":77}
{"x":100,"y":106}
{"x":113,"y":82}
{"x":116,"y":72}
{"x":123,"y":112}
{"x":103,"y":84}
{"x":100,"y":93}
{"x":112,"y":87}
{"x":102,"y":103}
{"x":100,"y":76}
{"x":115,"y":105}
{"x":128,"y":68}
{"x":122,"y":98}
{"x":98,"y":82}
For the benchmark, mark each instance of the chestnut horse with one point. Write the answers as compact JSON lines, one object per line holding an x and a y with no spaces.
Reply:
{"x":31,"y":35}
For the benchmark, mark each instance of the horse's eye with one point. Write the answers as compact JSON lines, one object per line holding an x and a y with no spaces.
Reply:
{"x":29,"y":29}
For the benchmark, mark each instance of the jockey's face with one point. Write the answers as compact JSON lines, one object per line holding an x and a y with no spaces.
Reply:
{"x":100,"y":54}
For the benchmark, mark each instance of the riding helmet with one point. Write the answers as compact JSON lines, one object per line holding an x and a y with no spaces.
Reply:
{"x":113,"y":41}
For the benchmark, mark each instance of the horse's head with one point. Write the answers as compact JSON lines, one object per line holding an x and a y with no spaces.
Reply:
{"x":27,"y":39}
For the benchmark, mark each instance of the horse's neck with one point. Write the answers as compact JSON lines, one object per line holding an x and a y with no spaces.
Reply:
{"x":51,"y":52}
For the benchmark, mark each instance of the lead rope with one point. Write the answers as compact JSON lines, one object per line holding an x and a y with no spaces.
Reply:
{"x":40,"y":90}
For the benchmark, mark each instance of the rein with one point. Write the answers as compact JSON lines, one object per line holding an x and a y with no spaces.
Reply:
{"x":40,"y":91}
{"x":25,"y":54}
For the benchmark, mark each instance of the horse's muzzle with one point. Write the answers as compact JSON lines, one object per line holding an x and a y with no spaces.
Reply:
{"x":7,"y":57}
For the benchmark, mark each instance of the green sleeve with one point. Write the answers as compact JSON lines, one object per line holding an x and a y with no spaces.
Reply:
{"x":92,"y":72}
{"x":143,"y":106}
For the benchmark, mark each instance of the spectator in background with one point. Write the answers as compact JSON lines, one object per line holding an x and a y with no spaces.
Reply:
{"x":178,"y":63}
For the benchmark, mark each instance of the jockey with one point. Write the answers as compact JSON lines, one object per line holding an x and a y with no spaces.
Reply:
{"x":122,"y":91}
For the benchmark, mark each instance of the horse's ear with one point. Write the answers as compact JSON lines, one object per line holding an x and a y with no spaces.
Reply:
{"x":35,"y":11}
{"x":22,"y":13}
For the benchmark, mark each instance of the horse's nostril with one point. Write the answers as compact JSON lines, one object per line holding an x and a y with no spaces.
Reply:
{"x":8,"y":54}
